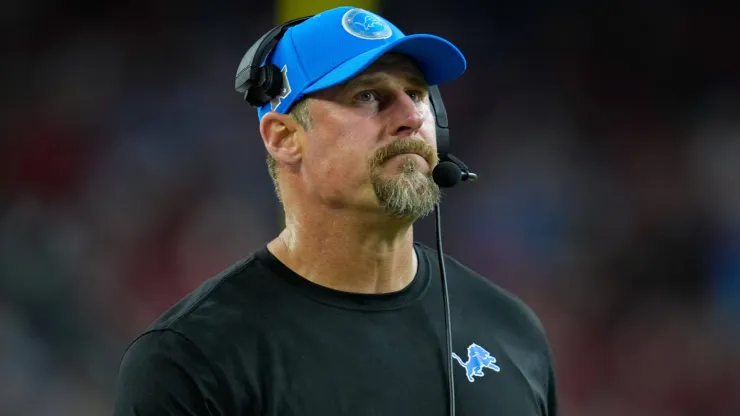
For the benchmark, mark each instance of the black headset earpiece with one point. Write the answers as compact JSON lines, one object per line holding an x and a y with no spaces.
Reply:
{"x":440,"y":116}
{"x":261,"y":83}
{"x":450,"y":169}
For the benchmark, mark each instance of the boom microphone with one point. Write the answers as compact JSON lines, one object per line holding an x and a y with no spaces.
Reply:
{"x":448,"y":174}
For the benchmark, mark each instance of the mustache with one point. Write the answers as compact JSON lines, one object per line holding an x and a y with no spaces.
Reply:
{"x":402,"y":146}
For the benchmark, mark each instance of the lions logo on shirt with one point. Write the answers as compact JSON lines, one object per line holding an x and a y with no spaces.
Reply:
{"x":366,"y":25}
{"x":478,"y":358}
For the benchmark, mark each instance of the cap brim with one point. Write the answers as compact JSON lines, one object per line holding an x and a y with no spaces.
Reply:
{"x":439,"y":61}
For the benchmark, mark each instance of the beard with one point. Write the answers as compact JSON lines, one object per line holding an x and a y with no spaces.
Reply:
{"x":409,"y":194}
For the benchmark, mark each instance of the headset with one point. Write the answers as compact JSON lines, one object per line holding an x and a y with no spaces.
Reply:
{"x":261,"y":83}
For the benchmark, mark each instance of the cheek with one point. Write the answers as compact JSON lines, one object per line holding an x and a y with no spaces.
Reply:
{"x":348,"y":159}
{"x":429,"y":131}
{"x":336,"y":157}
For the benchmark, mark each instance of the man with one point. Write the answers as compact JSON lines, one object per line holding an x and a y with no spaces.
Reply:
{"x":342,"y":314}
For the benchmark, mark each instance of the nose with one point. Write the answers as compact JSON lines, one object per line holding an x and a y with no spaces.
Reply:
{"x":407,"y":116}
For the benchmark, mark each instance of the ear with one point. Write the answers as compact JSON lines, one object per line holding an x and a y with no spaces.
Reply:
{"x":282,"y":136}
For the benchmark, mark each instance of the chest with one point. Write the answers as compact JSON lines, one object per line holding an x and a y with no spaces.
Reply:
{"x":389,"y":365}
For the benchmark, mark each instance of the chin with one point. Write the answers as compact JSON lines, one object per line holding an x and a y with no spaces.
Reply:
{"x":408,"y":194}
{"x":407,"y":164}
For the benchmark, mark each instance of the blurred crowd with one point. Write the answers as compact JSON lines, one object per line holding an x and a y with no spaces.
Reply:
{"x":606,"y":138}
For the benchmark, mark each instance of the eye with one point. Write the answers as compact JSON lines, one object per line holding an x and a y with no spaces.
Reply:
{"x":367,"y":96}
{"x":415,"y":95}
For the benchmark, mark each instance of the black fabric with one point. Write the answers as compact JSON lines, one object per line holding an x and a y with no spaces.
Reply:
{"x":260,"y":340}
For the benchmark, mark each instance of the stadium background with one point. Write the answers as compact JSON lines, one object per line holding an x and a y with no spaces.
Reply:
{"x":606,"y":136}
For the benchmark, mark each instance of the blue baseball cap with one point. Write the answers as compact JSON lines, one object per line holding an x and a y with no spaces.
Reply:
{"x":336,"y":45}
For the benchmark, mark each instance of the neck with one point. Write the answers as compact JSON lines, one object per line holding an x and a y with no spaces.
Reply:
{"x":349,"y":254}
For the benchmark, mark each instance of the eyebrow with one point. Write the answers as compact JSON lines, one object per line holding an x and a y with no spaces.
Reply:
{"x":371,"y":80}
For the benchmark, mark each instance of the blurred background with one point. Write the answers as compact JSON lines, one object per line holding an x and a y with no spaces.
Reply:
{"x":606,"y":136}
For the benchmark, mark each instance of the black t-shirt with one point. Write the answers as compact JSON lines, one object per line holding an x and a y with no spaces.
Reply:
{"x":258,"y":339}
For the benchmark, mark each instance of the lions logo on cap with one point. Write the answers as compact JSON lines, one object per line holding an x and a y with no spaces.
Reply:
{"x":366,"y":25}
{"x":284,"y":92}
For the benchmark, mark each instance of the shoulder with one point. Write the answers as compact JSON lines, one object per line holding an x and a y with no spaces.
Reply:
{"x":188,"y":348}
{"x":481,"y":295}
{"x":176,"y":332}
{"x":162,"y":371}
{"x":219,"y":299}
{"x":158,"y":349}
{"x":226,"y":308}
